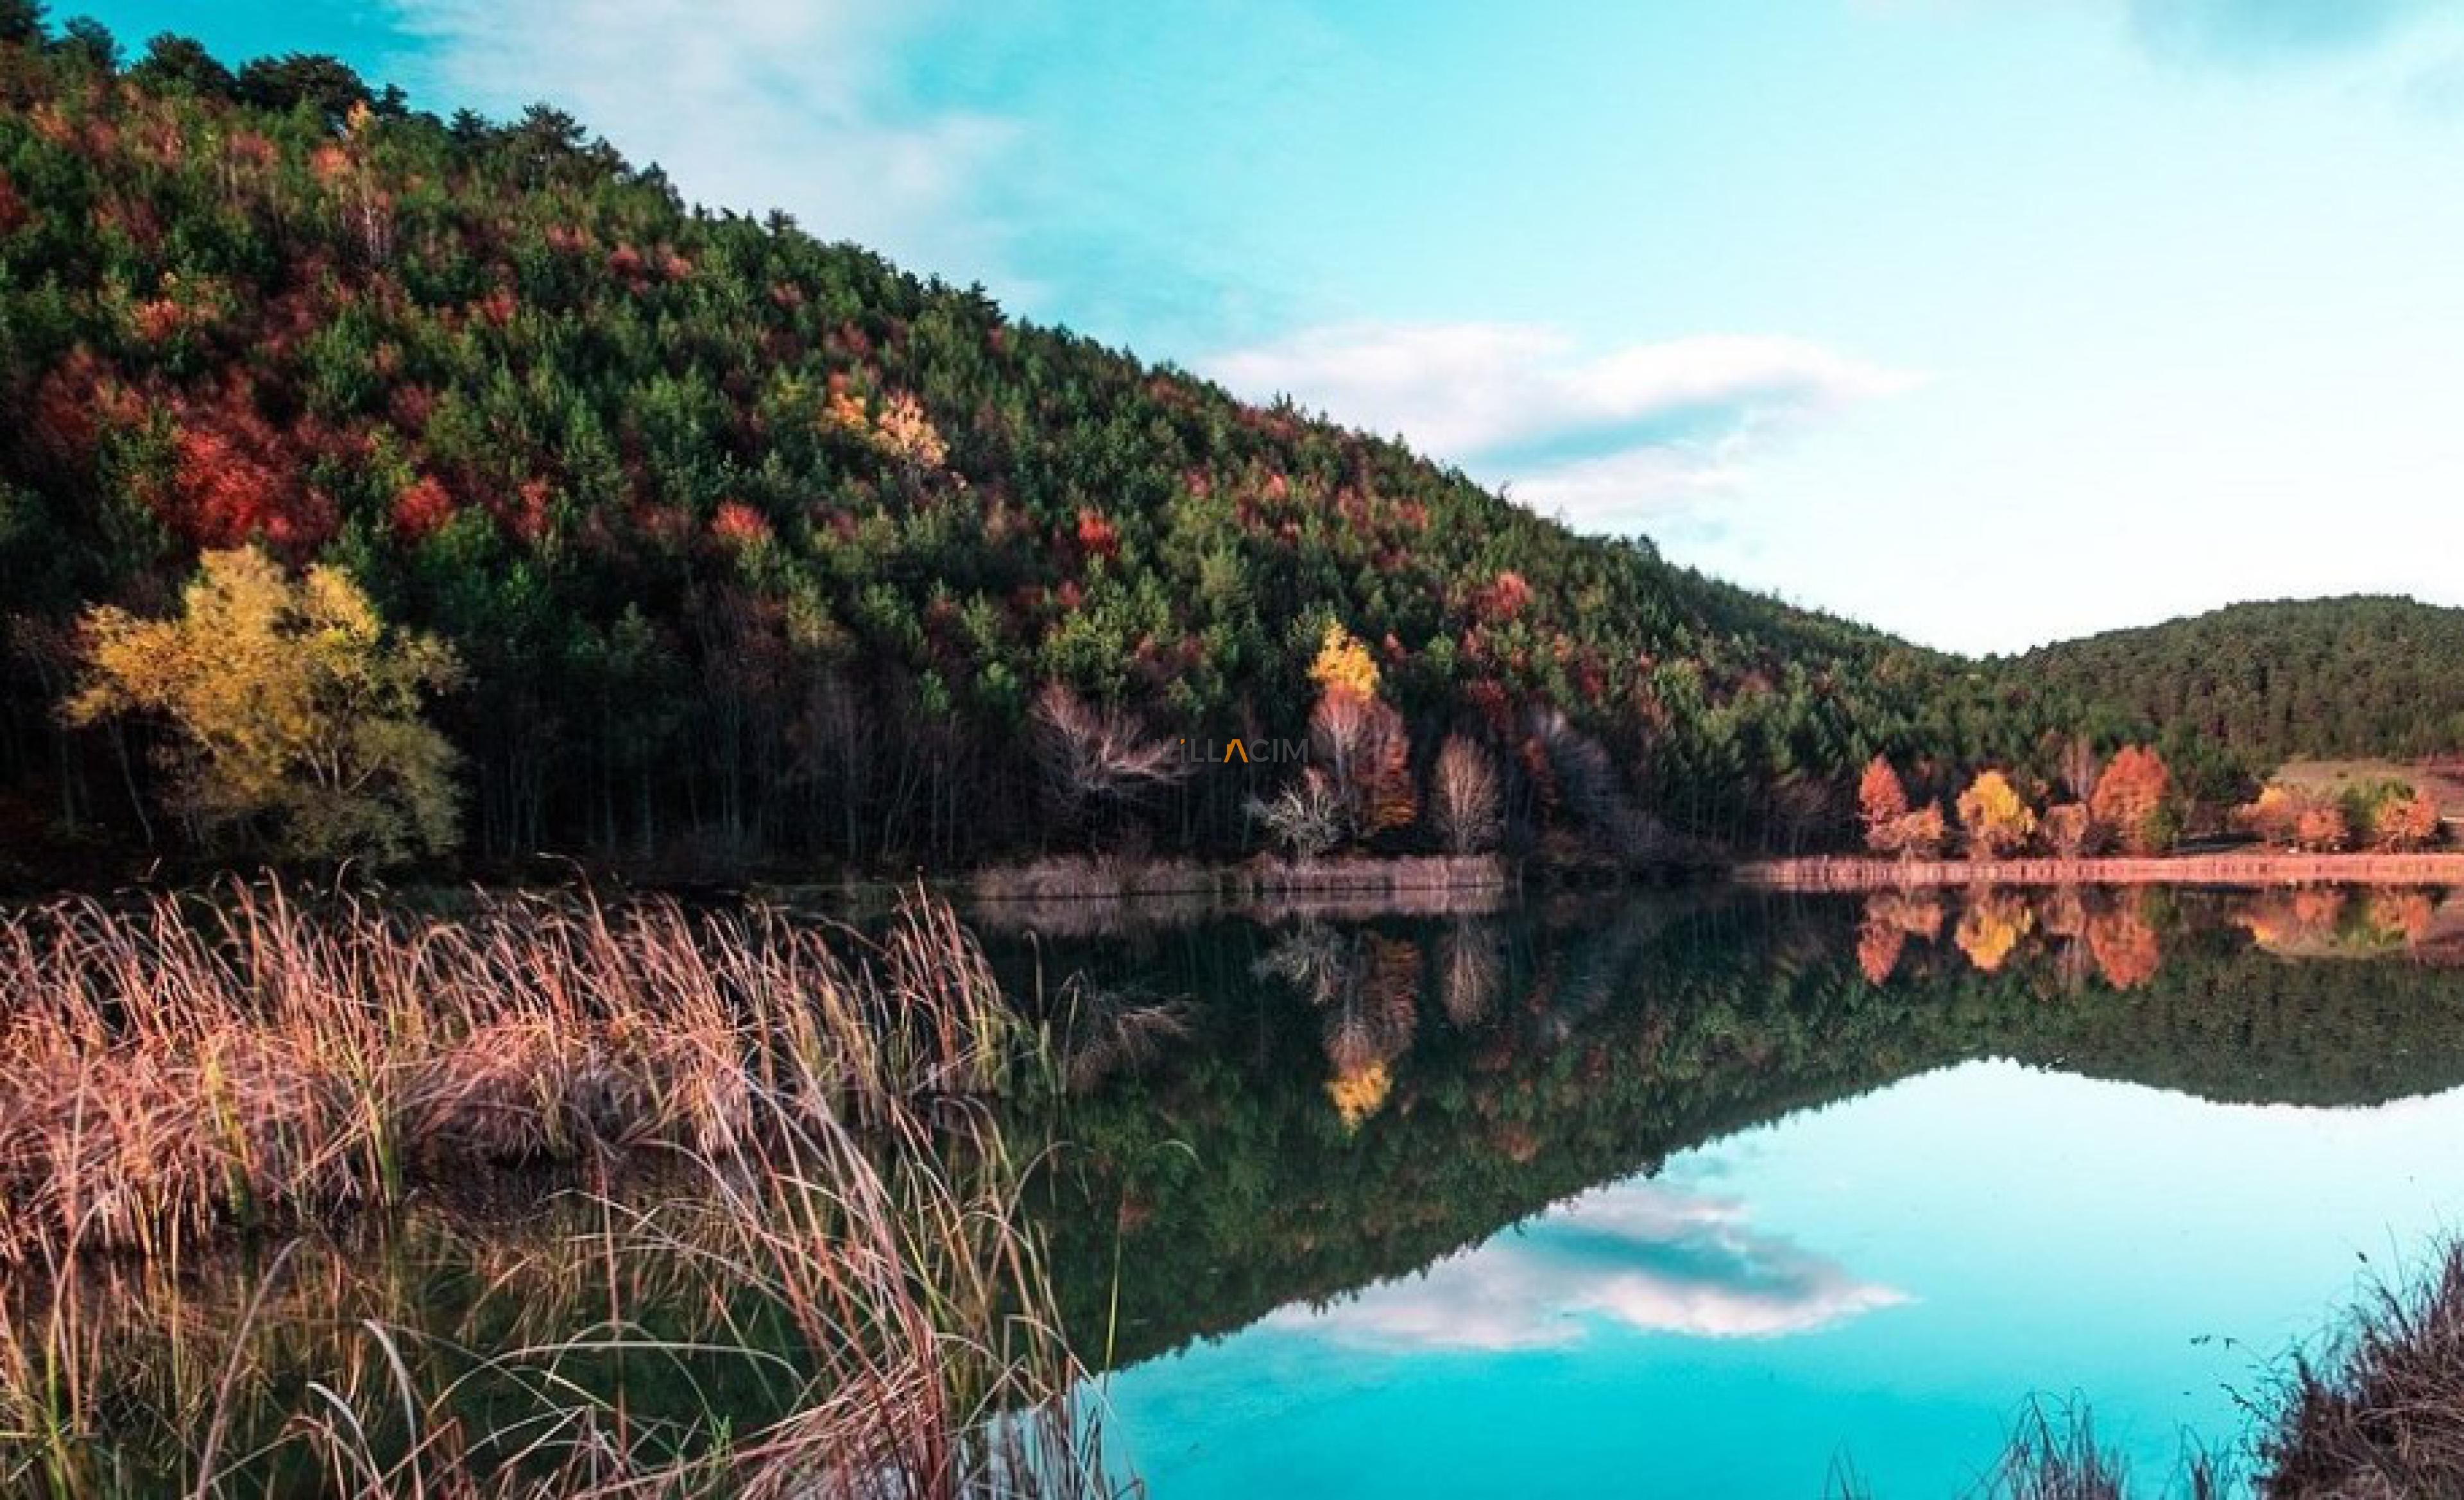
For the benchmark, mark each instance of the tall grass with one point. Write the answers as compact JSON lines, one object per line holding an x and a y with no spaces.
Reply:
{"x":2382,"y":1415}
{"x":834,"y":1266}
{"x":185,"y":1064}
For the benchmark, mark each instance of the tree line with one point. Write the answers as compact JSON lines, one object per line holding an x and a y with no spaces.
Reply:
{"x":2131,"y":803}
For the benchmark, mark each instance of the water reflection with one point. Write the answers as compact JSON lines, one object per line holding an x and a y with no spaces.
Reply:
{"x":1768,"y":1157}
{"x":2117,"y":934}
{"x":1645,"y":1256}
{"x":1358,"y":1109}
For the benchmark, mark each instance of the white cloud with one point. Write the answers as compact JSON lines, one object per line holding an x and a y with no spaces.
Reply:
{"x":748,"y":104}
{"x":1607,"y":436}
{"x":1642,"y":1255}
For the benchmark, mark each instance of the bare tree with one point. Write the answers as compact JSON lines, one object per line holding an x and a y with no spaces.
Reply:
{"x":1091,"y":756}
{"x":1362,"y":745}
{"x":1307,"y":817}
{"x":1466,"y":803}
{"x":2079,"y":767}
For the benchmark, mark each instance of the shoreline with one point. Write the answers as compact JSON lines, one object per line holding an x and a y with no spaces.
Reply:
{"x":1854,"y":872}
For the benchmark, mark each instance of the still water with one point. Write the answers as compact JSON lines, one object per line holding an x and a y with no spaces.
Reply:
{"x":1669,"y":1196}
{"x":1747,"y":1200}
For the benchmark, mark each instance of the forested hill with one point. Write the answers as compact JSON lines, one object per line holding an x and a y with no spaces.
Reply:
{"x":742,"y":550}
{"x":2356,"y":676}
{"x":752,"y":547}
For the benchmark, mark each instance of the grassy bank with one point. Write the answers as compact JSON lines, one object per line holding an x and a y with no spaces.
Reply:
{"x":842,"y":1211}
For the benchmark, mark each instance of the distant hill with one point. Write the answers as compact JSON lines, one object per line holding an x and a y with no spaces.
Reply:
{"x":2361,"y":677}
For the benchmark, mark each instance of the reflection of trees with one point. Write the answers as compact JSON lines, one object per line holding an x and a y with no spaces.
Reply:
{"x":2123,"y":940}
{"x":1367,"y":986}
{"x":1991,"y":926}
{"x":2400,"y":916}
{"x":2318,"y":921}
{"x":1619,"y":1036}
{"x":1471,"y":970}
{"x":1891,"y":919}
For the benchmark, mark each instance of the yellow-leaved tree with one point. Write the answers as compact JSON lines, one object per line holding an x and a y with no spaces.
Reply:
{"x":1358,"y":739}
{"x":294,"y":712}
{"x":1998,"y":820}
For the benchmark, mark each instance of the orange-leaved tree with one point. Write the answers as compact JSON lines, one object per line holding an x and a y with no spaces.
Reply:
{"x":1891,"y":827}
{"x":1881,"y":802}
{"x":2323,"y":828}
{"x":2133,"y":798}
{"x":2406,"y":818}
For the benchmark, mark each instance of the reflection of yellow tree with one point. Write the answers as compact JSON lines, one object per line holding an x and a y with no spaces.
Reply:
{"x":1373,"y":1012}
{"x":1357,"y":1095}
{"x":1991,"y":928}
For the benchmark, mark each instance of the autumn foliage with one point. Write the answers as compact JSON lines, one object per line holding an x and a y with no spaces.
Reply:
{"x":1881,"y":802}
{"x":1997,"y":820}
{"x":294,"y":713}
{"x":1890,"y":827}
{"x":1993,"y":927}
{"x":1359,"y":741}
{"x":2406,"y":819}
{"x":2124,"y":942}
{"x":2384,"y":815}
{"x":2132,"y":799}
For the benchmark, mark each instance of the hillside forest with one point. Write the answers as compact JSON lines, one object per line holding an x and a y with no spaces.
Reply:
{"x":387,"y":487}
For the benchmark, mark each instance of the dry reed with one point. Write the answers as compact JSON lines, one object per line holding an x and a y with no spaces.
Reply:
{"x":183,"y":1063}
{"x":2383,"y":1416}
{"x":846,"y":1239}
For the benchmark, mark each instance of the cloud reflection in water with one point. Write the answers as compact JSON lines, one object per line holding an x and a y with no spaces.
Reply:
{"x":1646,"y":1255}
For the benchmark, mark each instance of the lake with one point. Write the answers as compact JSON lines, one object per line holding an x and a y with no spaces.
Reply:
{"x":1678,"y":1194}
{"x":1742,"y":1197}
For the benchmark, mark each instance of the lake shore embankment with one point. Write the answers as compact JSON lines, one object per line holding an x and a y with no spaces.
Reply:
{"x":2258,"y":867}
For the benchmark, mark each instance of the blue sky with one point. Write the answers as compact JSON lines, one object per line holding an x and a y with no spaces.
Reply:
{"x":1987,"y":320}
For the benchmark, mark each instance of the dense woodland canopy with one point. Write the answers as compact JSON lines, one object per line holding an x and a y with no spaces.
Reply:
{"x":2359,"y":677}
{"x":754,"y":550}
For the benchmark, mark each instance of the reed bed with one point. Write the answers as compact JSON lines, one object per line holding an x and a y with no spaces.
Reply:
{"x":2382,"y":1415}
{"x":183,"y":1065}
{"x":831,"y":1283}
{"x":1097,"y":896}
{"x":1103,"y":878}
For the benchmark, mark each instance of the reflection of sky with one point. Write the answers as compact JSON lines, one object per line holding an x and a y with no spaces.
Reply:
{"x":1935,"y":1252}
{"x":1641,"y":1254}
